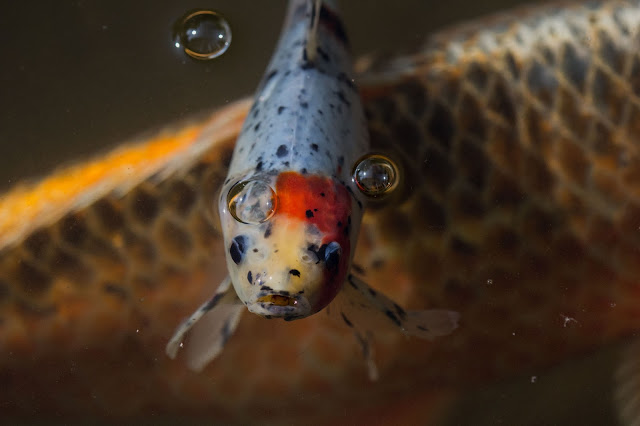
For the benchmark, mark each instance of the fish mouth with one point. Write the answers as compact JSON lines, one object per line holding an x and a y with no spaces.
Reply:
{"x":278,"y":305}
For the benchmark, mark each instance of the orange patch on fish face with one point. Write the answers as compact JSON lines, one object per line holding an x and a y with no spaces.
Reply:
{"x":326,"y":204}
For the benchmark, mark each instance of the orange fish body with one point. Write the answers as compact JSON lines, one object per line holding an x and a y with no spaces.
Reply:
{"x":520,"y":210}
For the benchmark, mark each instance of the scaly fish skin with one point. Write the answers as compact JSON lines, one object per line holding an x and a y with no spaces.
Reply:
{"x":520,"y":211}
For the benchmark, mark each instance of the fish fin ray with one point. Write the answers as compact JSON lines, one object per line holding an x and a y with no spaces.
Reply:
{"x":425,"y":324}
{"x":369,"y":313}
{"x":210,"y":326}
{"x":210,"y":335}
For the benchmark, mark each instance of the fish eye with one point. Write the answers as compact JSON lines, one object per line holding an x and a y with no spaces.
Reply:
{"x":332,"y":255}
{"x":238,"y":248}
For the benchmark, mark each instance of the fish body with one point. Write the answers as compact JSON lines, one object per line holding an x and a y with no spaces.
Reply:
{"x":519,"y":139}
{"x":304,"y":132}
{"x":290,"y":211}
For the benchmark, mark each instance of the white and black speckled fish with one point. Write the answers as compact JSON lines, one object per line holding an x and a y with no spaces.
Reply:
{"x":290,"y":212}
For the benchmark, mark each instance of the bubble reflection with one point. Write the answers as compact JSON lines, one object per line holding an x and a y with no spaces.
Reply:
{"x":375,"y":175}
{"x":252,"y":201}
{"x":202,"y":34}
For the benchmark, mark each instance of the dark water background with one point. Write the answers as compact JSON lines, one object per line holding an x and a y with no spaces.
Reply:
{"x":80,"y":77}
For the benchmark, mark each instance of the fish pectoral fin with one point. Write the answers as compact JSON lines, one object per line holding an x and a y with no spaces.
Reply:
{"x":368,"y":312}
{"x":209,"y":327}
{"x":425,"y":324}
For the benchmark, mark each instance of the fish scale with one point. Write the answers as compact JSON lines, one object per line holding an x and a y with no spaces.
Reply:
{"x":525,"y":221}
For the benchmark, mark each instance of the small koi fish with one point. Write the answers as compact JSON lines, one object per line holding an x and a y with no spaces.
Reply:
{"x":290,"y":212}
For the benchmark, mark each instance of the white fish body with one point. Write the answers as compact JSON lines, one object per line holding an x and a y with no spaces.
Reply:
{"x":290,"y":212}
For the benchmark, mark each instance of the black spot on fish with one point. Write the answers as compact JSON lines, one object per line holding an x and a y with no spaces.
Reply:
{"x":323,"y":54}
{"x":373,"y":292}
{"x":266,"y":288}
{"x":352,"y":283}
{"x":256,"y":127}
{"x":401,"y":312}
{"x":393,"y":318}
{"x":341,"y":161}
{"x":294,"y":272}
{"x":256,"y":112}
{"x":345,"y":79}
{"x":343,"y":98}
{"x":346,"y":320}
{"x":238,"y":248}
{"x":267,"y":232}
{"x":282,"y":151}
{"x":249,"y":277}
{"x":304,"y":105}
{"x":270,"y":75}
{"x":259,"y":166}
{"x":309,"y":213}
{"x":303,"y":170}
{"x":281,"y":109}
{"x":322,"y":194}
{"x":320,"y":112}
{"x":357,"y":269}
{"x":226,"y":332}
{"x":212,"y":302}
{"x":314,"y":146}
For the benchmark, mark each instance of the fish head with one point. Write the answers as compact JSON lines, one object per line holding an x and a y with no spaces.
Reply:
{"x":289,"y":240}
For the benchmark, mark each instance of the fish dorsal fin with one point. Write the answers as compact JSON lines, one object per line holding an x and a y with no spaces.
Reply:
{"x":310,"y":50}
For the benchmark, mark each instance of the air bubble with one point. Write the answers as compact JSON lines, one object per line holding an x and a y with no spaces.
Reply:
{"x":202,"y":34}
{"x":375,"y":175}
{"x":252,"y":201}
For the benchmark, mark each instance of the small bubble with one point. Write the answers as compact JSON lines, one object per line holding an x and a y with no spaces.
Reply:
{"x":612,"y":304}
{"x":376,"y":175}
{"x":534,"y":379}
{"x":489,"y":281}
{"x":252,"y":201}
{"x":202,"y":34}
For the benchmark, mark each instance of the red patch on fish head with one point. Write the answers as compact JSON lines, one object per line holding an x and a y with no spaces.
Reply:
{"x":325,"y":203}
